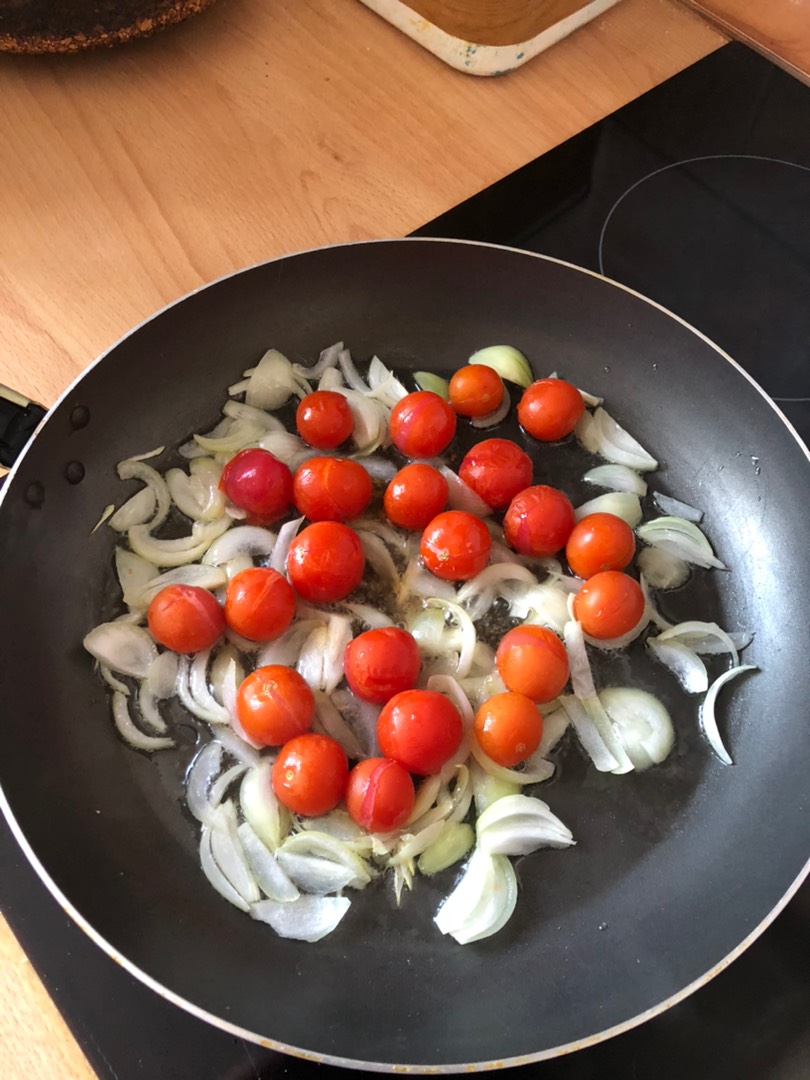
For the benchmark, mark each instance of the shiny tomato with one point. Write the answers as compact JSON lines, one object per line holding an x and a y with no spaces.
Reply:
{"x":274,"y":704}
{"x":420,"y":729}
{"x":609,"y":604}
{"x":331,"y":489}
{"x":532,"y":661}
{"x":310,"y":774}
{"x":326,"y":562}
{"x":455,"y":545}
{"x":380,"y":794}
{"x":539,"y":521}
{"x":415,"y":496}
{"x":381,"y":663}
{"x":422,"y":424}
{"x":600,"y":542}
{"x":259,"y":483}
{"x":259,"y":604}
{"x":550,"y":409}
{"x":324,"y":419}
{"x":476,"y":390}
{"x":497,"y":470}
{"x":508,"y":728}
{"x":185,"y":618}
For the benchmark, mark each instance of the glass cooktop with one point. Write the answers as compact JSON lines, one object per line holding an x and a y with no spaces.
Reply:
{"x":697,"y":195}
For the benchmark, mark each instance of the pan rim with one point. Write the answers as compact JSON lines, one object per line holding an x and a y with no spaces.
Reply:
{"x":300,"y":1052}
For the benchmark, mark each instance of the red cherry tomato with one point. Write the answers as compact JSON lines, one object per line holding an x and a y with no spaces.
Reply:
{"x":455,"y":545}
{"x":422,"y":424}
{"x":326,"y":562}
{"x":550,"y":409}
{"x":609,"y":604}
{"x":508,"y":728}
{"x":310,"y":774}
{"x":380,"y":795}
{"x":420,"y":729}
{"x":324,"y":419}
{"x":539,"y":521}
{"x":497,"y":470}
{"x":274,"y":704}
{"x":381,"y":663}
{"x":600,"y":542}
{"x":532,"y":661}
{"x":185,"y":618}
{"x":476,"y":390}
{"x":331,"y":489}
{"x":415,"y":496}
{"x":259,"y":483}
{"x":259,"y":604}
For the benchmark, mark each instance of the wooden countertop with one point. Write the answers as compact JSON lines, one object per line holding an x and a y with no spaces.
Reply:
{"x":129,"y":177}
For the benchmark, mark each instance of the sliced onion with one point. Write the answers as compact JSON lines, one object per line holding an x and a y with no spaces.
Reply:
{"x":370,"y":421}
{"x":582,"y":683}
{"x":397,"y":541}
{"x":198,"y":495}
{"x":379,"y":557}
{"x":617,"y":478}
{"x":332,"y":379}
{"x":215,"y":876}
{"x":147,"y":704}
{"x":204,"y":577}
{"x":426,"y":380}
{"x":198,"y":707}
{"x":339,"y":634}
{"x":309,"y":918}
{"x":339,"y":825}
{"x":287,"y":648}
{"x":132,"y":571}
{"x":362,"y":718}
{"x":329,"y":721}
{"x":191,"y":450}
{"x":321,"y":846}
{"x":534,"y":771}
{"x":612,"y":644}
{"x":642,"y":724}
{"x":588,"y":734}
{"x":462,"y":496}
{"x":198,"y":687}
{"x":661,"y":568}
{"x":129,"y":732}
{"x":162,"y":675}
{"x":112,"y":681}
{"x":416,"y":581}
{"x":258,"y":417}
{"x":311,"y":658}
{"x":286,"y":447}
{"x":622,"y":504}
{"x":239,"y":434}
{"x":136,"y":469}
{"x":617,"y":445}
{"x":178,"y":552}
{"x":555,"y":725}
{"x":708,"y":718}
{"x":350,"y":372}
{"x":702,"y":637}
{"x":682,"y":538}
{"x":384,"y":384}
{"x":237,"y":747}
{"x":519,"y":825}
{"x":495,"y":417}
{"x":286,"y":535}
{"x":327,"y":359}
{"x":465,"y":625}
{"x":265,"y":814}
{"x":369,"y":615}
{"x":123,"y":647}
{"x":135,"y":511}
{"x":482,"y":902}
{"x":683,"y":662}
{"x":270,"y":877}
{"x":273,"y":382}
{"x":545,"y":604}
{"x":676,"y":508}
{"x":452,"y":844}
{"x":478,"y":594}
{"x":509,"y":362}
{"x":229,"y":856}
{"x":204,"y":770}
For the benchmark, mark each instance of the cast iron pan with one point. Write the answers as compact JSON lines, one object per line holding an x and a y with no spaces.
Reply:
{"x":675,"y":870}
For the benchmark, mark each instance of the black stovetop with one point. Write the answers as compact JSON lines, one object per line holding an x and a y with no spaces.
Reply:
{"x":698,"y":195}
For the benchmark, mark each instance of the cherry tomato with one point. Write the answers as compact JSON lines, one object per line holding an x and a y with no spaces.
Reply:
{"x":415,"y":496}
{"x":422,"y":424}
{"x":420,"y":729}
{"x":185,"y":618}
{"x":331,"y":489}
{"x":455,"y":545}
{"x":380,"y":795}
{"x":539,"y":521}
{"x":550,"y":409}
{"x":326,"y":562}
{"x":259,"y":483}
{"x":274,"y":704}
{"x":600,"y":542}
{"x":310,"y":774}
{"x":324,"y":419}
{"x":259,"y":604}
{"x":532,"y":661}
{"x":476,"y":390}
{"x":508,"y":728}
{"x":497,"y":470}
{"x":609,"y":604}
{"x":381,"y":663}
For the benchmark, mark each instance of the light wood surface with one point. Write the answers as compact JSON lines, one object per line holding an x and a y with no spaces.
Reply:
{"x":778,"y":28}
{"x":128,"y":178}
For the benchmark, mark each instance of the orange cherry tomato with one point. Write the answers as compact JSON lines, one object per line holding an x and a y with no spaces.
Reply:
{"x":497,"y":470}
{"x":259,"y":604}
{"x":324,"y":419}
{"x":420,"y":729}
{"x":380,"y":795}
{"x":185,"y":618}
{"x":533,"y":662}
{"x":609,"y":604}
{"x":600,"y":542}
{"x":422,"y":424}
{"x":310,"y":774}
{"x":539,"y":521}
{"x":259,"y":483}
{"x":274,"y":704}
{"x":508,"y":728}
{"x":331,"y":489}
{"x":381,"y":663}
{"x":415,"y":496}
{"x":476,"y":390}
{"x":326,"y":562}
{"x":550,"y":409}
{"x":455,"y":545}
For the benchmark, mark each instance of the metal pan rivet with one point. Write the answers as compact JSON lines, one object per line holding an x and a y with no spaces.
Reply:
{"x":74,"y":472}
{"x":79,"y":417}
{"x":35,"y":494}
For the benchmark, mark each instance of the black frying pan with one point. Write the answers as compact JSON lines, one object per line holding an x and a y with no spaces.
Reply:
{"x":676,"y":870}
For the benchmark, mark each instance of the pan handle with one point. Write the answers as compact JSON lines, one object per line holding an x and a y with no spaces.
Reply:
{"x":19,"y":419}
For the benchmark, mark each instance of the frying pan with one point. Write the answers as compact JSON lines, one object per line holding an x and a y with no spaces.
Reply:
{"x":676,"y":870}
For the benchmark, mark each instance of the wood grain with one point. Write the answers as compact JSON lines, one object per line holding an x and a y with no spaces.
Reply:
{"x":778,"y":28}
{"x":495,"y":22}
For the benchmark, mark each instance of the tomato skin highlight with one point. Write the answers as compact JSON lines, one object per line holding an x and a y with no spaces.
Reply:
{"x":600,"y":542}
{"x":324,"y":419}
{"x":415,"y":496}
{"x":539,"y":521}
{"x":497,"y":470}
{"x":259,"y":604}
{"x":476,"y":390}
{"x":258,"y":482}
{"x":310,"y":774}
{"x":550,"y":409}
{"x":185,"y":618}
{"x":381,"y":663}
{"x":274,"y":704}
{"x":422,"y":424}
{"x":331,"y":489}
{"x":455,"y":546}
{"x":609,"y":605}
{"x":326,"y":562}
{"x":421,"y":729}
{"x":532,"y":661}
{"x":380,"y":794}
{"x":508,"y":728}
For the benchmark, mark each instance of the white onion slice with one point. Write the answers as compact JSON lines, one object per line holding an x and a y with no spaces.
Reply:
{"x":482,"y":902}
{"x":617,"y":478}
{"x":198,"y":495}
{"x":204,"y":577}
{"x":617,"y":445}
{"x":147,"y":704}
{"x":339,"y":634}
{"x":198,"y":687}
{"x":661,"y":568}
{"x":385,"y":386}
{"x":519,"y":825}
{"x":322,"y":846}
{"x":240,"y":540}
{"x":461,"y":496}
{"x":370,"y":421}
{"x":129,"y":732}
{"x":582,"y":683}
{"x":123,"y":647}
{"x":204,"y":770}
{"x":332,"y":379}
{"x":702,"y":637}
{"x":393,"y":538}
{"x":286,"y":535}
{"x":136,"y":469}
{"x":478,"y":594}
{"x":369,"y":615}
{"x":313,"y":875}
{"x":178,"y":552}
{"x":683,"y":662}
{"x":287,"y":648}
{"x":555,"y":725}
{"x":229,"y":856}
{"x":416,"y":581}
{"x":534,"y":770}
{"x":264,"y":866}
{"x":682,"y":538}
{"x":426,"y":380}
{"x":258,"y":417}
{"x":708,"y":717}
{"x":239,"y":434}
{"x":309,"y":918}
{"x":642,"y":724}
{"x":495,"y":417}
{"x":509,"y":362}
{"x":379,"y":557}
{"x":361,"y":716}
{"x":467,"y":628}
{"x":588,"y":734}
{"x":135,"y":511}
{"x":215,"y":876}
{"x":329,"y":720}
{"x":132,"y":571}
{"x":265,"y":814}
{"x":327,"y":359}
{"x":622,"y":504}
{"x":162,"y":675}
{"x":676,"y":508}
{"x":188,"y":698}
{"x":350,"y":372}
{"x":236,"y":746}
{"x":310,"y":663}
{"x":219,"y":788}
{"x":191,"y":450}
{"x":273,"y":382}
{"x":545,"y":604}
{"x":286,"y":447}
